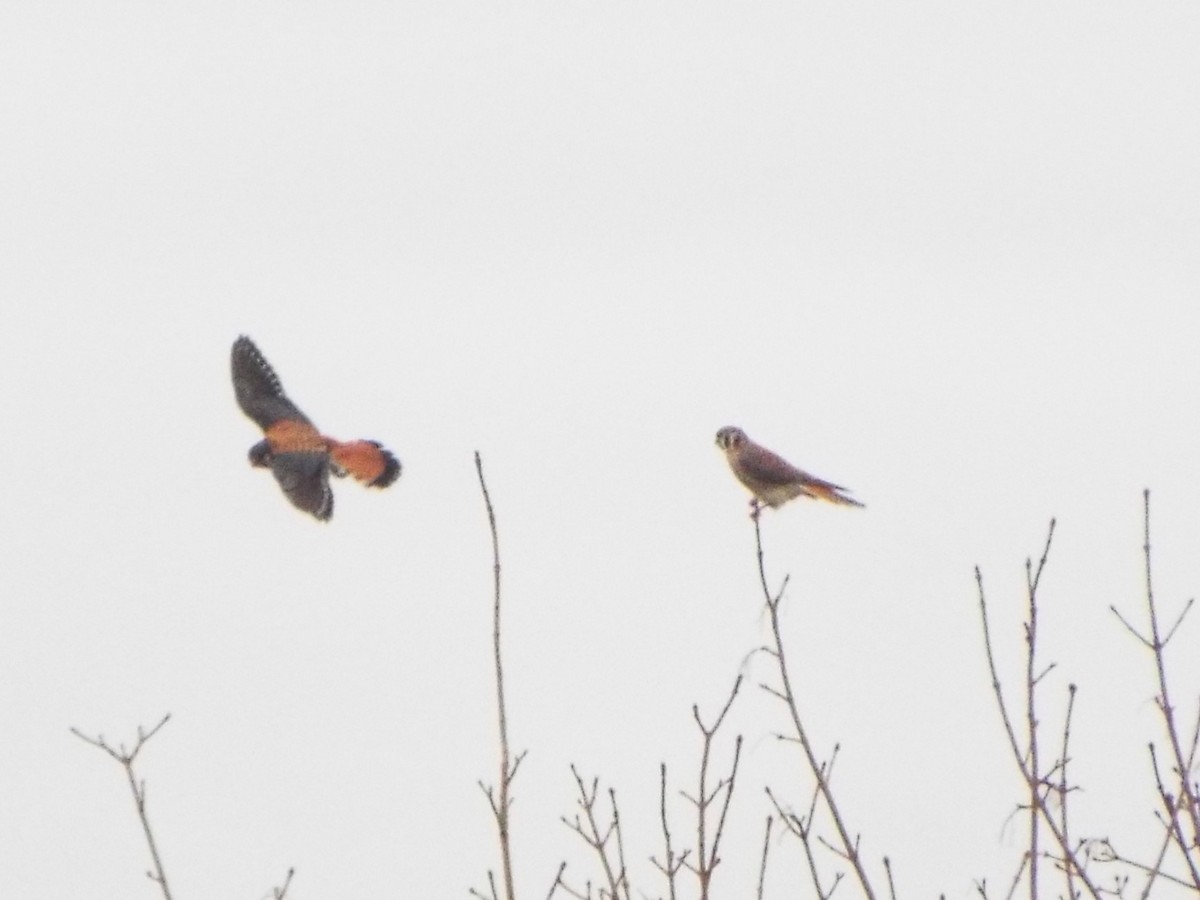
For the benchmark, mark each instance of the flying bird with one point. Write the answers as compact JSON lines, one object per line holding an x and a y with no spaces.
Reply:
{"x":772,"y":479}
{"x":300,"y":457}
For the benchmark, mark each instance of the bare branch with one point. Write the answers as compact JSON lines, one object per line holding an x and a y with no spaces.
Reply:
{"x":1171,"y":805}
{"x":1116,"y":612}
{"x":1033,"y":585}
{"x":623,"y":878}
{"x":708,"y":858}
{"x":887,"y":867}
{"x":586,"y":894}
{"x":762,"y":868}
{"x":670,"y":865}
{"x":1179,"y":621}
{"x":1031,"y":721}
{"x":1009,"y":731}
{"x":562,"y":866}
{"x":280,"y":892}
{"x":508,"y":770}
{"x":138,"y":789}
{"x":802,"y":828}
{"x":1028,"y":762}
{"x":1187,"y":799}
{"x":1104,"y":851}
{"x":709,"y":732}
{"x":1012,"y":889}
{"x":774,"y":693}
{"x":849,"y":848}
{"x":1064,"y":788}
{"x":597,"y":838}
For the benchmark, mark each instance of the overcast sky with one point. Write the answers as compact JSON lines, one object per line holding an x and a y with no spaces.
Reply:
{"x":942,"y":253}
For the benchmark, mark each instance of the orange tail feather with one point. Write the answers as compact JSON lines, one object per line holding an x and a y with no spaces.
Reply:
{"x":832,"y":494}
{"x":367,"y":461}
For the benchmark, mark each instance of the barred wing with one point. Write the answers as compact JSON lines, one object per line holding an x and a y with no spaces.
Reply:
{"x":257,"y":387}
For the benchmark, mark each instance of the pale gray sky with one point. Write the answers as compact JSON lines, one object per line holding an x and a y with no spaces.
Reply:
{"x":942,"y":253}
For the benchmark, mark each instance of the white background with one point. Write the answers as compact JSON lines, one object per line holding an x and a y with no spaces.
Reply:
{"x":942,"y":253}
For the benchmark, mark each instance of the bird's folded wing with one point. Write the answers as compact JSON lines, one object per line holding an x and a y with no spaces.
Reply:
{"x":764,"y":466}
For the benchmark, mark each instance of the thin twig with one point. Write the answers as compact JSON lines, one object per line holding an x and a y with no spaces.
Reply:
{"x":502,"y":805}
{"x":594,"y":836}
{"x":1171,"y":818}
{"x":1189,"y":794}
{"x":1187,"y":798}
{"x":138,"y":788}
{"x":737,"y":754}
{"x":1012,"y":888}
{"x":709,"y":857}
{"x":1064,"y":788}
{"x":623,"y":878}
{"x":1026,"y":763}
{"x":849,"y":848}
{"x":585,"y":894}
{"x":762,"y":867}
{"x":1035,"y":797}
{"x":280,"y":892}
{"x":1179,"y":621}
{"x":557,"y":879}
{"x":670,"y":865}
{"x":802,"y":828}
{"x":1155,"y":871}
{"x":1103,"y":851}
{"x":887,"y":867}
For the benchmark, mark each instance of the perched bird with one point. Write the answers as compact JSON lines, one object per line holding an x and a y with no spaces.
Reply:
{"x":772,"y":479}
{"x":300,"y":457}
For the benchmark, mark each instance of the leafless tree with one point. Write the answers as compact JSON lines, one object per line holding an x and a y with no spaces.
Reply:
{"x":1075,"y":859}
{"x":500,"y":799}
{"x":137,"y":786}
{"x":1177,"y":789}
{"x":846,"y":847}
{"x":702,"y":859}
{"x":1039,"y":781}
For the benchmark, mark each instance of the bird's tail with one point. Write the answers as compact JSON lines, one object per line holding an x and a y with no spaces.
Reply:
{"x":367,"y":461}
{"x":832,"y":493}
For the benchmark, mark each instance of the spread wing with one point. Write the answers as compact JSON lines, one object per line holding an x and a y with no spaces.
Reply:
{"x":304,"y":477}
{"x":258,"y":389}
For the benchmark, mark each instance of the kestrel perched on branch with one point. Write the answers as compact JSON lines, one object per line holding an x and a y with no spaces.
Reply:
{"x":772,"y":479}
{"x":300,"y":457}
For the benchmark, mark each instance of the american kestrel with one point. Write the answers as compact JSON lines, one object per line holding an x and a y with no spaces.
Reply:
{"x":772,"y":479}
{"x":300,"y":457}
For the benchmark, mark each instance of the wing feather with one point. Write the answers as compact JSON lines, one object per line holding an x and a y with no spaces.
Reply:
{"x":304,"y":477}
{"x":258,"y":389}
{"x":766,"y":467}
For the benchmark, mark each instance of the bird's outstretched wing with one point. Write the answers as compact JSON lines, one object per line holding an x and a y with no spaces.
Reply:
{"x":258,"y":389}
{"x":304,"y":477}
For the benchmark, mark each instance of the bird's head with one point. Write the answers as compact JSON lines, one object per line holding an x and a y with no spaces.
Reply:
{"x":260,"y":455}
{"x":730,"y":438}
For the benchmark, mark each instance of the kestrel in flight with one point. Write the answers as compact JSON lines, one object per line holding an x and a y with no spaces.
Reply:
{"x":772,"y":479}
{"x":300,"y":457}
